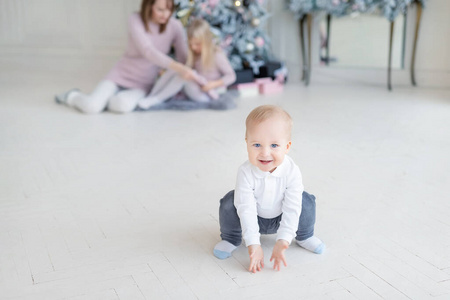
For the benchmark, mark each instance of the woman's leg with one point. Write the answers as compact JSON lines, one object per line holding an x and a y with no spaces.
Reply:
{"x":125,"y":101}
{"x":195,"y":93}
{"x":94,"y":102}
{"x":166,"y":87}
{"x":164,"y":80}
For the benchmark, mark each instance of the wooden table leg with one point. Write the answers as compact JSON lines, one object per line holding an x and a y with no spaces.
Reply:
{"x":405,"y":17}
{"x":416,"y":35}
{"x":390,"y":56}
{"x":310,"y":19}
{"x":327,"y":44}
{"x":302,"y":43}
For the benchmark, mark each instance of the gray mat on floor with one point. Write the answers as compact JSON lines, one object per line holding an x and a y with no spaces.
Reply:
{"x":180,"y":102}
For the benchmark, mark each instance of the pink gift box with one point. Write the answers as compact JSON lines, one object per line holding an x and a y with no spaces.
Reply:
{"x":270,"y":88}
{"x":263,"y":80}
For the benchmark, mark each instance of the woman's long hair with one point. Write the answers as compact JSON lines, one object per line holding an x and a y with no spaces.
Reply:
{"x":200,"y":29}
{"x":146,"y":13}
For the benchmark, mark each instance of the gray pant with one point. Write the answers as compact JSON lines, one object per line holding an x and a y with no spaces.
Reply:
{"x":230,"y":225}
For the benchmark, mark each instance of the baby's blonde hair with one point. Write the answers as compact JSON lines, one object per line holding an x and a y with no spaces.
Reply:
{"x":264,"y":112}
{"x":200,"y":29}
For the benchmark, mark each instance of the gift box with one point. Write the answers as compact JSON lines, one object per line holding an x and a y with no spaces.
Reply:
{"x":247,"y":89}
{"x":272,"y":87}
{"x":263,"y":80}
{"x":244,"y":76}
{"x":269,"y":68}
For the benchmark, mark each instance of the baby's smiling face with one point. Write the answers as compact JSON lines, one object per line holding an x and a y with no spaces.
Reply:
{"x":267,"y":143}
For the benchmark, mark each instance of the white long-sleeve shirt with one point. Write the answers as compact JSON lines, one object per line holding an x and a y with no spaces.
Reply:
{"x":269,"y":195}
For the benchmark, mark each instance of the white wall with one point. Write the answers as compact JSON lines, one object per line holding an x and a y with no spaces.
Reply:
{"x":98,"y":28}
{"x":64,"y":27}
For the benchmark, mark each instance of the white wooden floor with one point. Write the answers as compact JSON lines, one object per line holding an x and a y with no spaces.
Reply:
{"x":126,"y":206}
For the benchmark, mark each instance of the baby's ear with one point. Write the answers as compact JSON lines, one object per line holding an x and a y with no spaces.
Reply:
{"x":288,"y":146}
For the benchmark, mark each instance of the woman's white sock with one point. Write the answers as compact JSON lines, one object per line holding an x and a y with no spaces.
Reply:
{"x":148,"y":102}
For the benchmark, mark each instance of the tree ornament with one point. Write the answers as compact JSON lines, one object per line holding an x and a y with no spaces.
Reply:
{"x":256,"y":22}
{"x":259,"y":41}
{"x":249,"y":47}
{"x":213,"y":3}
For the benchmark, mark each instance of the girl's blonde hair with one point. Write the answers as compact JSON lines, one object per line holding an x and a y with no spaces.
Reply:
{"x":146,"y":13}
{"x":264,"y":112}
{"x":200,"y":29}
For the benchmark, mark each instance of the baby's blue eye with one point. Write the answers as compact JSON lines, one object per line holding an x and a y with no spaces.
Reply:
{"x":274,"y":145}
{"x":257,"y":145}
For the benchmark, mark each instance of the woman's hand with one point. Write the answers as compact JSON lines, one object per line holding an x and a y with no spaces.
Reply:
{"x":188,"y":74}
{"x":184,"y":71}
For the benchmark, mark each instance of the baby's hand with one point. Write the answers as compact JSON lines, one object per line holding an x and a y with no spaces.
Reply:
{"x":256,"y":258}
{"x":278,"y":254}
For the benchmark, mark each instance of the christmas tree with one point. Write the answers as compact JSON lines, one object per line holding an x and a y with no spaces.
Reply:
{"x":237,"y":27}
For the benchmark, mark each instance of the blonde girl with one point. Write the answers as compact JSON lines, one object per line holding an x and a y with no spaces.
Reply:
{"x":213,"y":70}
